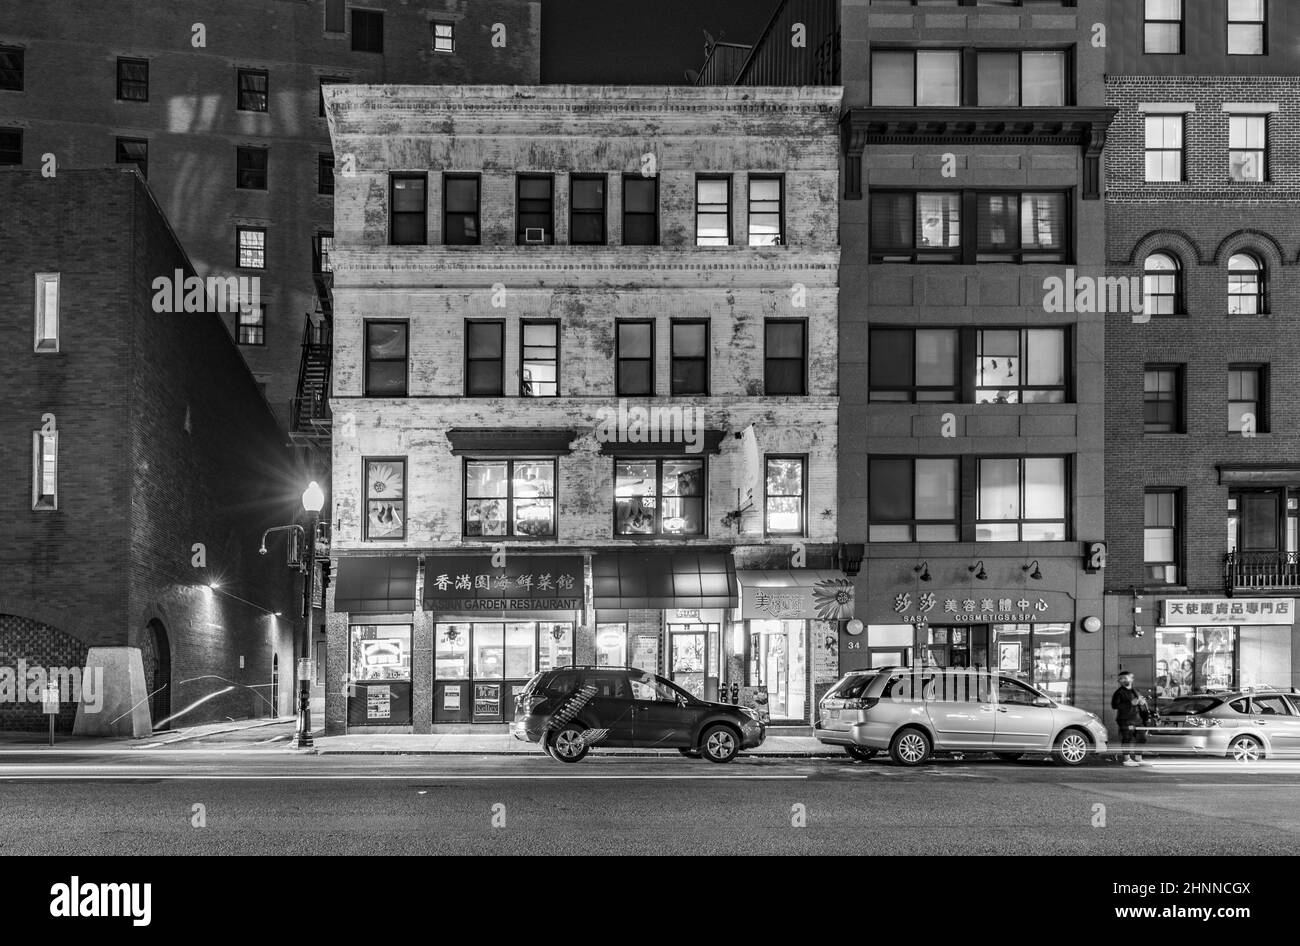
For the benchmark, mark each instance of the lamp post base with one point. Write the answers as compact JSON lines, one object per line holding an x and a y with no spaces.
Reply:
{"x":302,"y":739}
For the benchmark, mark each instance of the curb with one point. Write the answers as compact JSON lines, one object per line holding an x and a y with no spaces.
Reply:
{"x":538,"y":752}
{"x":213,"y":732}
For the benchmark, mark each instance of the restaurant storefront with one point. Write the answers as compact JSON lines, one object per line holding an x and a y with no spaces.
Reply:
{"x":376,"y":595}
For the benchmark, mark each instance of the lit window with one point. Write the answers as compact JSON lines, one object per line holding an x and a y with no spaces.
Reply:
{"x":541,"y":360}
{"x":251,"y":246}
{"x":659,"y":497}
{"x":45,"y":470}
{"x":1245,"y":285}
{"x":1163,"y":26}
{"x":1021,"y":500}
{"x":444,"y":37}
{"x":1160,"y":285}
{"x":47,"y":312}
{"x":712,"y":211}
{"x":1248,"y":148}
{"x":252,"y":325}
{"x":765,"y":211}
{"x":1247,"y":20}
{"x":1246,"y":410}
{"x":510,"y":497}
{"x":1160,"y":537}
{"x":385,"y":499}
{"x":784,"y":489}
{"x":1164,"y":148}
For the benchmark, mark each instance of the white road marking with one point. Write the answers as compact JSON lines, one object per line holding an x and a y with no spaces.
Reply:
{"x":414,"y":776}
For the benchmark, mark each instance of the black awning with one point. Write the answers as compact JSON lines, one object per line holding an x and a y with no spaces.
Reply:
{"x":709,"y":442}
{"x":511,"y":441}
{"x":376,"y":585}
{"x":689,"y":578}
{"x":1259,"y":474}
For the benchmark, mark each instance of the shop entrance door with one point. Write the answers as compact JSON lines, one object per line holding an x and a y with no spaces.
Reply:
{"x":693,"y":658}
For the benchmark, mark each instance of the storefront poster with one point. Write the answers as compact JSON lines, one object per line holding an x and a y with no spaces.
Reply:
{"x":385,"y":652}
{"x":826,"y":652}
{"x":487,"y":699}
{"x":1009,"y":656}
{"x":645,"y":653}
{"x":1226,"y":611}
{"x":378,"y":702}
{"x":451,"y":696}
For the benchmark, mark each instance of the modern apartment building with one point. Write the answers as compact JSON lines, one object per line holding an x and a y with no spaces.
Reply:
{"x":585,"y":395}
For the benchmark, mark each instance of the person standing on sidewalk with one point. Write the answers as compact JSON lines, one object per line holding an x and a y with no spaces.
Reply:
{"x":1131,"y":711}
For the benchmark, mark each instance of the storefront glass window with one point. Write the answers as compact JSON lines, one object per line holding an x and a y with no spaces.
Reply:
{"x":1038,"y":654}
{"x":451,"y":653}
{"x":611,"y":645}
{"x":489,"y":651}
{"x":1216,"y":658}
{"x":1175,"y":662}
{"x":521,"y":650}
{"x":556,"y":641}
{"x":381,"y":652}
{"x":1264,"y":656}
{"x":777,"y":661}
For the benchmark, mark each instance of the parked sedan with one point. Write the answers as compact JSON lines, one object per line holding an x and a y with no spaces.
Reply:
{"x":1246,"y":725}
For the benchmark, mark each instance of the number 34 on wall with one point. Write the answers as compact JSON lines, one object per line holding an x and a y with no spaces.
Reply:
{"x":853,"y":645}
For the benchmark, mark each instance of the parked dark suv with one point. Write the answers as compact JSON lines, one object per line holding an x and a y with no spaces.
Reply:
{"x":570,"y":709}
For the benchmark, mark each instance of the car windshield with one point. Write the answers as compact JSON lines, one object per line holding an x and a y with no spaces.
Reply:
{"x":1191,"y":705}
{"x":852,"y":686}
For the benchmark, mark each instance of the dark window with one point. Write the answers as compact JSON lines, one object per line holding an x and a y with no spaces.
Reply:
{"x":1247,"y":27}
{"x":324,"y":81}
{"x":250,"y":168}
{"x":1021,"y":366}
{"x":1248,"y":148}
{"x":915,"y":227}
{"x":659,"y":497}
{"x":1037,"y":78}
{"x":535,"y":209}
{"x":250,"y":246}
{"x":635,"y":353}
{"x":134,"y":151}
{"x":785,"y":357}
{"x":914,"y":365}
{"x":690,"y":357}
{"x":766,"y":210}
{"x":786,"y":501}
{"x":1021,"y":228}
{"x":1160,"y":538}
{"x":916,"y":77}
{"x":444,"y":37}
{"x":460,"y":217}
{"x":1246,"y":285}
{"x":254,"y":90}
{"x":1247,"y":399}
{"x":409,"y":213}
{"x":322,"y":249}
{"x":385,"y":498}
{"x":913,"y":499}
{"x":11,"y":146}
{"x":713,"y":211}
{"x":510,"y":497}
{"x":640,"y":211}
{"x":926,"y":227}
{"x":252,"y":325}
{"x":334,"y":16}
{"x":11,"y":68}
{"x":1021,"y":499}
{"x":1164,"y":26}
{"x":484,"y":359}
{"x":587,"y":209}
{"x":1164,"y":148}
{"x":540,"y":359}
{"x":133,"y":80}
{"x":1162,"y":279}
{"x":367,"y":31}
{"x":1162,"y":399}
{"x":386,"y":359}
{"x":325,"y":174}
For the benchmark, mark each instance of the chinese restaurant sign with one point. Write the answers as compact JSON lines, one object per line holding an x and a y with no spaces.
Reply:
{"x":1185,"y":611}
{"x":830,"y":600}
{"x":525,"y":583}
{"x":928,"y":607}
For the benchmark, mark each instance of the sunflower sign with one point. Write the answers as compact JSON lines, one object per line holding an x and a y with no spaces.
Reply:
{"x":829,"y":599}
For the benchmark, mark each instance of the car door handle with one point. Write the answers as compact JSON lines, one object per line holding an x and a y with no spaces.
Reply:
{"x":1002,"y":709}
{"x":1260,"y":722}
{"x":984,"y":708}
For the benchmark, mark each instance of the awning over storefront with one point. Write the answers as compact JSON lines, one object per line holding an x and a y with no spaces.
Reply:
{"x":704,"y":578}
{"x":1259,"y":474}
{"x":511,"y":441}
{"x":795,"y":594}
{"x":375,"y":585}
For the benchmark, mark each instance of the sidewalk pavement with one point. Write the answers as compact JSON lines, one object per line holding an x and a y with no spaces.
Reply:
{"x":506,"y":744}
{"x":27,"y":742}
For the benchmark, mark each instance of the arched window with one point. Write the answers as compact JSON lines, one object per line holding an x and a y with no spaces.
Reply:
{"x":1161,"y":285}
{"x":1245,"y":285}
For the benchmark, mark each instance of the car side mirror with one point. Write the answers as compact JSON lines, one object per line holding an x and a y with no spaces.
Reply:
{"x":1042,"y":701}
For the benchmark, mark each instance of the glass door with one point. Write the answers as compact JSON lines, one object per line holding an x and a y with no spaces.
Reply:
{"x":488,"y":648}
{"x":777,"y":662}
{"x":689,"y":663}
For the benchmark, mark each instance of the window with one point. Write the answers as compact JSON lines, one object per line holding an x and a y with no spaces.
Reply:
{"x":444,"y":37}
{"x":11,"y":146}
{"x":252,"y":325}
{"x":45,"y":470}
{"x":322,"y":249}
{"x":1037,"y":78}
{"x":386,"y":358}
{"x":587,"y":209}
{"x":460,"y":212}
{"x":1164,"y":148}
{"x":914,"y":365}
{"x":785,"y":507}
{"x":785,"y":357}
{"x":650,"y":690}
{"x":1248,"y":147}
{"x":640,"y":211}
{"x":1196,"y":660}
{"x":385,"y":499}
{"x":635,"y":355}
{"x":1164,"y":26}
{"x":325,"y":174}
{"x":766,"y":211}
{"x":328,"y":80}
{"x":534,"y":209}
{"x":510,"y":497}
{"x":1162,"y":399}
{"x":334,"y":20}
{"x":915,"y":227}
{"x":11,"y":69}
{"x":1247,"y":22}
{"x":254,"y":92}
{"x":540,"y":360}
{"x":250,"y":245}
{"x":1245,"y":285}
{"x":659,"y":497}
{"x":1020,"y":366}
{"x":1021,"y":500}
{"x":1021,"y":228}
{"x":713,"y":211}
{"x":1161,"y":285}
{"x":250,"y":168}
{"x":47,"y":312}
{"x":690,"y":357}
{"x":367,"y":31}
{"x":916,"y":77}
{"x":133,"y":80}
{"x":485,"y":359}
{"x":1246,"y":399}
{"x":913,"y":499}
{"x":1160,"y":540}
{"x":409,"y":214}
{"x":134,"y":151}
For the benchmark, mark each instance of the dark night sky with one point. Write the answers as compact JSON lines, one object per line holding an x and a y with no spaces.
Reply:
{"x":640,"y":42}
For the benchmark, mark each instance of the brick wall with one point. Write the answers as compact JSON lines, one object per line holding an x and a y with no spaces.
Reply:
{"x":39,"y":646}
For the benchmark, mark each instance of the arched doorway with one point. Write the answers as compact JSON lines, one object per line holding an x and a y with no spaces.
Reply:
{"x":275,"y":685}
{"x":156,"y":654}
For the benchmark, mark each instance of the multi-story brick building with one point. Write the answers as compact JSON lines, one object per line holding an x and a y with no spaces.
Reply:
{"x":139,"y":465}
{"x":585,"y":394}
{"x":1202,"y":436}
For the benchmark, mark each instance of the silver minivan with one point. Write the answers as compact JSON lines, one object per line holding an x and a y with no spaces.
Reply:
{"x":915,"y":712}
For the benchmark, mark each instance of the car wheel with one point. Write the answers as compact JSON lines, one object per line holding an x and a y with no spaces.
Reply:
{"x":1009,"y":756}
{"x":1246,"y":749}
{"x":909,"y":747}
{"x":567,"y":744}
{"x":1072,"y":748}
{"x":861,"y":753}
{"x":720,"y":743}
{"x":690,"y":753}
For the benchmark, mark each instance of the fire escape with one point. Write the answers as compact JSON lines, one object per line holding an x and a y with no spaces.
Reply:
{"x":309,"y":412}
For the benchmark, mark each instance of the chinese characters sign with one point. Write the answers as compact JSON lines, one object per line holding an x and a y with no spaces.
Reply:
{"x":525,"y":583}
{"x":1185,"y":611}
{"x":928,"y":607}
{"x":827,"y":600}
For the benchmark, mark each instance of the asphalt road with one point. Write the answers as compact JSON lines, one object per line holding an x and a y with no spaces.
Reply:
{"x":274,"y":801}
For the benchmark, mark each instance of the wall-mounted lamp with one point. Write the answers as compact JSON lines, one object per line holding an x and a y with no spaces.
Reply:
{"x":1035,"y":574}
{"x":978,"y":570}
{"x":923,"y":570}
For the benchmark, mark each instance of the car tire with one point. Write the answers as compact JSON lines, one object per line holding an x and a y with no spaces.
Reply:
{"x":1072,"y":748}
{"x":566,"y":744}
{"x":1246,"y":749}
{"x":690,"y":753}
{"x":910,"y":747}
{"x":1010,"y":756}
{"x":719,"y":743}
{"x":861,"y":753}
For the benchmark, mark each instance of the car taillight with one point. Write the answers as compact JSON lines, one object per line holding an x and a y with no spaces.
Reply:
{"x":1202,"y":722}
{"x":861,"y":703}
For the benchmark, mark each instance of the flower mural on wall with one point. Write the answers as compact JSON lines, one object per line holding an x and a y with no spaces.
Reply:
{"x":833,"y":599}
{"x":386,"y":499}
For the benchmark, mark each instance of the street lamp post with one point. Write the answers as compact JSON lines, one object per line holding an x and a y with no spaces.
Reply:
{"x":312,"y":501}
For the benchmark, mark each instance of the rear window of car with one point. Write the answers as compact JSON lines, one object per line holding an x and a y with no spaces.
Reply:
{"x":566,"y":681}
{"x":852,"y":687}
{"x":1191,"y":705}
